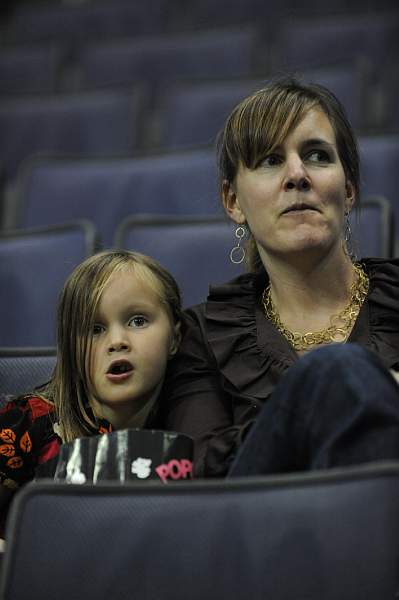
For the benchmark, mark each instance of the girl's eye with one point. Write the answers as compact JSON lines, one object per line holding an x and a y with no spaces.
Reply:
{"x":138,"y":321}
{"x":318,"y":156}
{"x":97,"y":329}
{"x":271,"y":161}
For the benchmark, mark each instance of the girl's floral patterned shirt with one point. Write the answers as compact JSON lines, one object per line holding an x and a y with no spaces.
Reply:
{"x":28,"y":439}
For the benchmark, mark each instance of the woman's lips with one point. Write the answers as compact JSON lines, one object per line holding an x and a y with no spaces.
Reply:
{"x":299,"y":210}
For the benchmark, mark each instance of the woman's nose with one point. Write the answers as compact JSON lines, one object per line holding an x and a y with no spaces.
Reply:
{"x":296,"y":176}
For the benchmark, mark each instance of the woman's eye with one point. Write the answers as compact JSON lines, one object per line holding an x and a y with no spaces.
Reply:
{"x":138,"y":321}
{"x":318,"y":156}
{"x":271,"y":161}
{"x":97,"y":329}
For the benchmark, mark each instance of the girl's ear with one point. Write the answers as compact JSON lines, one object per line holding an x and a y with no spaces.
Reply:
{"x":176,"y":339}
{"x":231,"y":203}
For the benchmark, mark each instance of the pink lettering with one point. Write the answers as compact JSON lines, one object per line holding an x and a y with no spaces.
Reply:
{"x":175,"y":469}
{"x":187,"y":468}
{"x":162,"y":472}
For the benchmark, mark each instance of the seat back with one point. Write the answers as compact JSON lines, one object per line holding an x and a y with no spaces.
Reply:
{"x":33,"y":68}
{"x":192,"y":114}
{"x":23,"y":369}
{"x":305,"y":42}
{"x":309,"y":536}
{"x":34,"y":265}
{"x":379,"y":155}
{"x":195,"y":250}
{"x":105,"y":191}
{"x":76,"y":22}
{"x":349,"y":83}
{"x":373,"y":229}
{"x":98,"y":123}
{"x":169,"y":58}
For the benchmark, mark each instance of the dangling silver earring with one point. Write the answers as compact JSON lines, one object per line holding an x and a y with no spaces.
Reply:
{"x":348,"y":238}
{"x":237,"y":254}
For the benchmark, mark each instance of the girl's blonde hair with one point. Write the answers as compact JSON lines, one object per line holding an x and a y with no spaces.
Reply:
{"x":68,"y":387}
{"x":261,"y":122}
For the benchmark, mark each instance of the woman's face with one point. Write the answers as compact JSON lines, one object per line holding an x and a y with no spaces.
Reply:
{"x":296,"y":199}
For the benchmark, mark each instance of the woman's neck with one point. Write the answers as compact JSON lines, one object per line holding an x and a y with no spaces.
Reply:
{"x":307,"y":294}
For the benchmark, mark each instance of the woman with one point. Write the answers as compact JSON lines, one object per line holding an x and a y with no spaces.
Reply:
{"x":289,"y":172}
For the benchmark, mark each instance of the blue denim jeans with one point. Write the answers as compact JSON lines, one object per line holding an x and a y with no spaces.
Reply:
{"x":336,"y":406}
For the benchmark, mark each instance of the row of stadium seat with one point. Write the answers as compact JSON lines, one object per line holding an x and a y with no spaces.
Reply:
{"x":302,"y":535}
{"x":119,"y":121}
{"x":51,"y":191}
{"x":79,"y":21}
{"x":299,"y":44}
{"x":34,"y":263}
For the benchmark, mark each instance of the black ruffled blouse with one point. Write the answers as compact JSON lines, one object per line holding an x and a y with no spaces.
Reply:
{"x":232,"y":357}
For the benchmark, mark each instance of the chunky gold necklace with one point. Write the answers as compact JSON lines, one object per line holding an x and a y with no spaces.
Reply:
{"x":340,"y":324}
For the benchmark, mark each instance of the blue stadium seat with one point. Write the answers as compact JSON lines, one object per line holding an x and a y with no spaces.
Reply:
{"x":387,"y":106}
{"x":311,"y":42}
{"x":33,"y":267}
{"x":23,"y":369}
{"x":308,"y":536}
{"x":349,"y":83}
{"x":268,"y":15}
{"x":169,"y":58}
{"x":192,"y":114}
{"x":30,"y":69}
{"x":75,"y":22}
{"x":373,"y":228}
{"x":105,"y":191}
{"x":98,"y":123}
{"x":208,"y":13}
{"x":195,"y":250}
{"x":379,"y":155}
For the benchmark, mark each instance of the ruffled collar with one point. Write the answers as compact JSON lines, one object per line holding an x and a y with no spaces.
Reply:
{"x":246,"y":345}
{"x":377,"y":326}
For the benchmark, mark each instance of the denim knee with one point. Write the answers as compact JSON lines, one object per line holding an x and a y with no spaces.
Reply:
{"x":340,"y":355}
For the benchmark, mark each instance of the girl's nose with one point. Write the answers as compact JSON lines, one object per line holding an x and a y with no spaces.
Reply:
{"x":118,"y":341}
{"x":118,"y":346}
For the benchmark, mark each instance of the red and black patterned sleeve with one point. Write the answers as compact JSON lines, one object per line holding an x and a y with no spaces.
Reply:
{"x":27,"y":439}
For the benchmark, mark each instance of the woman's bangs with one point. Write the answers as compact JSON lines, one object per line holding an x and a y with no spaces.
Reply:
{"x":263,"y":123}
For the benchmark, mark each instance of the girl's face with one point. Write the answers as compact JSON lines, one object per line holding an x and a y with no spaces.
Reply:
{"x":132,"y":339}
{"x":296,"y":199}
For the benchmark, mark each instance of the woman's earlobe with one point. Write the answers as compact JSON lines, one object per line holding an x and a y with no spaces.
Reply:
{"x":228,"y":195}
{"x":350,"y":195}
{"x":231,"y":203}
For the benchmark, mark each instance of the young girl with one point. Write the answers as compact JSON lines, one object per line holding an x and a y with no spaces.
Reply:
{"x":118,"y":324}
